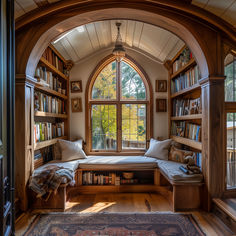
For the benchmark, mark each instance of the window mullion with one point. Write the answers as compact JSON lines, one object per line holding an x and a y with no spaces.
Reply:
{"x":119,"y":115}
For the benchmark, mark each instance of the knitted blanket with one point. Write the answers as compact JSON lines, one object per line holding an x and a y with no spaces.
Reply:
{"x":48,"y":179}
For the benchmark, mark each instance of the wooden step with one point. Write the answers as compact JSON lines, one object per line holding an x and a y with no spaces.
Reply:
{"x":226,"y":211}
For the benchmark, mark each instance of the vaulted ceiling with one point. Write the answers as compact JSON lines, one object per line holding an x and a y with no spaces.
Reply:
{"x":154,"y":42}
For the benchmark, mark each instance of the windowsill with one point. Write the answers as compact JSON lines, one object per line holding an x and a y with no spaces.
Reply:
{"x":123,"y":153}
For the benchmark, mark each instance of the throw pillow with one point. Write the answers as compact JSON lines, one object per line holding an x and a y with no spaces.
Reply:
{"x":71,"y":150}
{"x":178,"y":155}
{"x":158,"y":149}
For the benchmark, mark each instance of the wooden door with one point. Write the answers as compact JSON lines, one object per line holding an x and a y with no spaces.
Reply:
{"x":7,"y":78}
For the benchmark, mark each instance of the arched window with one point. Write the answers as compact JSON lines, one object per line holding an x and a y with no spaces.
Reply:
{"x":119,"y":108}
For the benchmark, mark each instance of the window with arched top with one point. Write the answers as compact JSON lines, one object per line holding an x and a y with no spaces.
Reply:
{"x":119,"y":108}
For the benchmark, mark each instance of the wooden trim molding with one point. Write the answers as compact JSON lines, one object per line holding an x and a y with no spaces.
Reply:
{"x":89,"y":101}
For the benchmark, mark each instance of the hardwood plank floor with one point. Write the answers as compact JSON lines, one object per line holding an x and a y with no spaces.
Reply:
{"x":128,"y":202}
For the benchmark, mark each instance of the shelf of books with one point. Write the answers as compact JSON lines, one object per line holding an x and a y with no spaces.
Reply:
{"x":51,"y":102}
{"x":185,"y":113}
{"x":48,"y":114}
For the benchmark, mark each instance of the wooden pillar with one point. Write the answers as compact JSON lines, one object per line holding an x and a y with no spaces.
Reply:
{"x":213,"y":137}
{"x":24,"y":122}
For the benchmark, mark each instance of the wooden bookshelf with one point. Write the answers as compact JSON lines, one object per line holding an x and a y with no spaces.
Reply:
{"x":192,"y":92}
{"x":187,"y":117}
{"x":52,"y":68}
{"x":188,"y":142}
{"x":47,"y":143}
{"x":47,"y":114}
{"x":184,"y":68}
{"x":49,"y":91}
{"x":54,"y":119}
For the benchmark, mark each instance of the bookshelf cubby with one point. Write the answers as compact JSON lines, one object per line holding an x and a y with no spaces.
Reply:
{"x":51,"y":101}
{"x":185,"y":101}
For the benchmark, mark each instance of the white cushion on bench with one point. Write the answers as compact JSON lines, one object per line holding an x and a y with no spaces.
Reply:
{"x":71,"y":165}
{"x":118,"y":162}
{"x":172,"y":171}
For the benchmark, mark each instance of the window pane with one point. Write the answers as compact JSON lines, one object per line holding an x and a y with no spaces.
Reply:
{"x":133,"y":126}
{"x":230,"y":83}
{"x":132,"y":85}
{"x":231,"y":154}
{"x":105,"y":84}
{"x":104,"y":127}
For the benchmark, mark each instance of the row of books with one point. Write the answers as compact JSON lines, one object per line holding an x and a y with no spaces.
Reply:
{"x":183,"y":107}
{"x":47,"y":131}
{"x":185,"y":80}
{"x":186,"y":130}
{"x":53,"y":59}
{"x":182,"y":60}
{"x":91,"y":178}
{"x":45,"y":103}
{"x":197,"y":156}
{"x":46,"y":78}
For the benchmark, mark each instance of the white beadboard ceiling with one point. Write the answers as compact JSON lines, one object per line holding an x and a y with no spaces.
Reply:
{"x":226,"y":9}
{"x":83,"y":41}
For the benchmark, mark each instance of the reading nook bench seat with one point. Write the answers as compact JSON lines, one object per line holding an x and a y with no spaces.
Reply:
{"x":182,"y":190}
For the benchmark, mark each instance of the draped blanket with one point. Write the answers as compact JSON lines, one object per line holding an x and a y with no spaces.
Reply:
{"x":48,"y":179}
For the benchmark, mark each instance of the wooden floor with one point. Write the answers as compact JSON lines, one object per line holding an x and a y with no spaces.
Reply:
{"x":128,"y":202}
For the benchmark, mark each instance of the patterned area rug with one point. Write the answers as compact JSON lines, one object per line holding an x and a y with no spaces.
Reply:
{"x":114,"y":224}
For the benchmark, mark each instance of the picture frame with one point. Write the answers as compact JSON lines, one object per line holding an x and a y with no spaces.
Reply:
{"x":76,"y":104}
{"x":161,"y":105}
{"x":76,"y":86}
{"x":161,"y":86}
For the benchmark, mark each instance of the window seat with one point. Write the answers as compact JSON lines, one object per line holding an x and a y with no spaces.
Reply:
{"x":182,"y":190}
{"x":118,"y":163}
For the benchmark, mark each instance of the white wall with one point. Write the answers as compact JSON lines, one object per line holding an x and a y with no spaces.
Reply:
{"x":83,"y":70}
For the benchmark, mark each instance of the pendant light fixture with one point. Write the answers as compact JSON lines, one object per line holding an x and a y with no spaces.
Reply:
{"x":119,"y":50}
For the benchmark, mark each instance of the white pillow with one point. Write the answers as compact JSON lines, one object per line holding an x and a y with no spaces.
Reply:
{"x":71,"y":150}
{"x":158,"y":149}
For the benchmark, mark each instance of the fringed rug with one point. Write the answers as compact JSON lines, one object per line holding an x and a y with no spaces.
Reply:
{"x":114,"y":224}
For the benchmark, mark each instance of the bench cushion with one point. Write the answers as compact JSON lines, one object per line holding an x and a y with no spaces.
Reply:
{"x":118,"y":162}
{"x":171,"y":170}
{"x":71,"y":165}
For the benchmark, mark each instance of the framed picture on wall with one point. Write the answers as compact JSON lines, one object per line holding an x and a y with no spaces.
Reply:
{"x":161,"y":105}
{"x":76,"y":105}
{"x":76,"y":86}
{"x":161,"y":86}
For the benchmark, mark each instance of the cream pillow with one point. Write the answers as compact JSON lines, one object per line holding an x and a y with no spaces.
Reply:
{"x":159,"y":149}
{"x":71,"y":150}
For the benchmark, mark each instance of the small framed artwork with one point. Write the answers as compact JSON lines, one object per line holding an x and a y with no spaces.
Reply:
{"x":76,"y":105}
{"x":161,"y":86}
{"x":76,"y":86}
{"x":161,"y":105}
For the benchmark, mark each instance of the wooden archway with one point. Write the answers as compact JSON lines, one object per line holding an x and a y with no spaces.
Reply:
{"x":203,"y":32}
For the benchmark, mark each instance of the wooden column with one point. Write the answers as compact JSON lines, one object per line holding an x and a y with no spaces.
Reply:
{"x":212,"y":137}
{"x":24,"y":122}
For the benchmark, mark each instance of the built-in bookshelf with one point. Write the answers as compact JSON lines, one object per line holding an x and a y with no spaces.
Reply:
{"x":51,"y":103}
{"x":185,"y":110}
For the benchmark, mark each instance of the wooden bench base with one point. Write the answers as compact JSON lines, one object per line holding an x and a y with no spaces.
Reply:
{"x":182,"y":196}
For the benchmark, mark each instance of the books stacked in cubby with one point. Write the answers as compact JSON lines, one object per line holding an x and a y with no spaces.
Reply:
{"x":52,"y":58}
{"x":185,"y":80}
{"x":182,"y":59}
{"x":47,"y":79}
{"x":197,"y":156}
{"x":186,"y":130}
{"x":183,"y":107}
{"x":93,"y":178}
{"x":45,"y":103}
{"x":46,"y":131}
